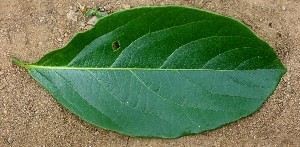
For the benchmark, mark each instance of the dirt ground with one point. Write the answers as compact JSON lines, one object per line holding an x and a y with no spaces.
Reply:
{"x":29,"y":116}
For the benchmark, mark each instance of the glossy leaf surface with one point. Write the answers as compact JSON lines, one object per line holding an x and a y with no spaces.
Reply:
{"x":161,"y":72}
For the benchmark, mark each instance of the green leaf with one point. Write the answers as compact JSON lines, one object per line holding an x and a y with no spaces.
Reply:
{"x":161,"y":72}
{"x":89,"y":12}
{"x":99,"y":14}
{"x":94,"y":12}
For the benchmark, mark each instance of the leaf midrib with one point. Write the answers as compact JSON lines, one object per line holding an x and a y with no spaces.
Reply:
{"x":145,"y":69}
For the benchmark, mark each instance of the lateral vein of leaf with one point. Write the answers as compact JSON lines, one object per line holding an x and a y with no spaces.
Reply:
{"x":58,"y":90}
{"x":120,"y":28}
{"x":258,"y":57}
{"x":204,"y":38}
{"x":157,"y":18}
{"x":70,"y":102}
{"x":122,"y":102}
{"x":71,"y":87}
{"x":78,"y":93}
{"x":96,"y":38}
{"x":165,"y":99}
{"x":156,"y":32}
{"x":207,"y":62}
{"x":201,"y":87}
{"x":243,"y":83}
{"x":186,"y":106}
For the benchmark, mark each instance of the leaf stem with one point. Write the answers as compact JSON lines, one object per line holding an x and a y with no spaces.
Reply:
{"x":19,"y":62}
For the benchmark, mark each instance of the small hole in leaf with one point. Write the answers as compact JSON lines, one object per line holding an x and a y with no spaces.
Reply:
{"x":116,"y":45}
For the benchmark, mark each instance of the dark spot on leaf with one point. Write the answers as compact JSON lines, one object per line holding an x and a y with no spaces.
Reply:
{"x":116,"y":45}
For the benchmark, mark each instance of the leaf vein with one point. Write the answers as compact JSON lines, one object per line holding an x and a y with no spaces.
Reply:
{"x":123,"y":103}
{"x":65,"y":81}
{"x":222,"y":54}
{"x":201,"y":87}
{"x":158,"y":31}
{"x":165,"y":99}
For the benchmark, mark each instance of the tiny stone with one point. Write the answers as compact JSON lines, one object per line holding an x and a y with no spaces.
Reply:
{"x":10,"y":140}
{"x":66,"y":35}
{"x":4,"y":112}
{"x":2,"y":87}
{"x":42,"y":19}
{"x":126,"y":6}
{"x":59,"y":39}
{"x":270,"y":24}
{"x":278,"y":34}
{"x":289,"y":88}
{"x":50,"y":11}
{"x":283,"y":8}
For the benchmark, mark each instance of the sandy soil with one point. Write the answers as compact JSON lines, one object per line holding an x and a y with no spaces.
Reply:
{"x":31,"y":117}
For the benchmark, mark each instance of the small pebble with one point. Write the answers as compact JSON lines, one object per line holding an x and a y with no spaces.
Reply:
{"x":270,"y":24}
{"x":59,"y":39}
{"x":283,"y":8}
{"x":126,"y":6}
{"x":66,"y":35}
{"x":42,"y":19}
{"x":2,"y":87}
{"x":50,"y":11}
{"x":5,"y":112}
{"x":288,"y":87}
{"x":10,"y":140}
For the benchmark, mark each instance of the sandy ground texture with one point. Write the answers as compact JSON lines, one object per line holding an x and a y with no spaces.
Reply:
{"x":29,"y":116}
